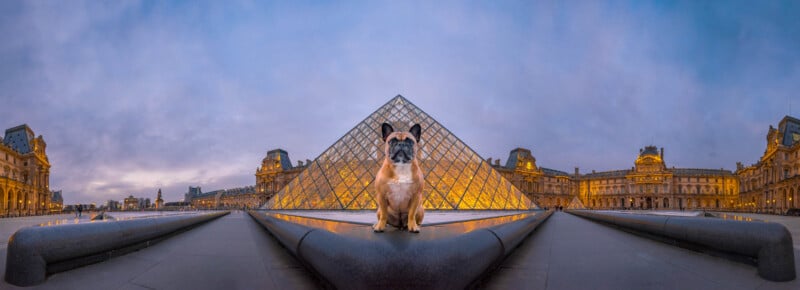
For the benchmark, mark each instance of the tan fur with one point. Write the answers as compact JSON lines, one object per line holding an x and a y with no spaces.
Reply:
{"x":406,"y":197}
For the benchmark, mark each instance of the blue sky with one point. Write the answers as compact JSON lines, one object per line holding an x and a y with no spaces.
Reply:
{"x":136,"y":95}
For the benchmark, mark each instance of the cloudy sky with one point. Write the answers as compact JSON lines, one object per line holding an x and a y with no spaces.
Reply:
{"x":134,"y":96}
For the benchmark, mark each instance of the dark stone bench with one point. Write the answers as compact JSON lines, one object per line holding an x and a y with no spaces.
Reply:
{"x":442,"y":256}
{"x":769,"y":244}
{"x":34,"y":252}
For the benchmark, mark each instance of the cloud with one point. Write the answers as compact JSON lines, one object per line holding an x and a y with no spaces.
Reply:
{"x":132,"y":96}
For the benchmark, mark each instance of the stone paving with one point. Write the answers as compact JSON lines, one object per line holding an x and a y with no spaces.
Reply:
{"x":232,"y":252}
{"x":8,"y":226}
{"x":568,"y":252}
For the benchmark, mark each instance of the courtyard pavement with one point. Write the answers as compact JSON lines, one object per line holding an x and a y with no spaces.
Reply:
{"x":8,"y":226}
{"x":232,"y":252}
{"x":568,"y":252}
{"x":565,"y":252}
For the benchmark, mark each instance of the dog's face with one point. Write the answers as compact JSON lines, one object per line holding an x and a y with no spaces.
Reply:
{"x":400,"y":147}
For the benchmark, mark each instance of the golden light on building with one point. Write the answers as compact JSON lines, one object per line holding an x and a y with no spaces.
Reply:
{"x":24,"y":173}
{"x":456,"y":177}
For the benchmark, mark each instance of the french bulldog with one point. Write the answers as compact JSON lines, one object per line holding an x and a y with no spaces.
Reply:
{"x":399,"y":181}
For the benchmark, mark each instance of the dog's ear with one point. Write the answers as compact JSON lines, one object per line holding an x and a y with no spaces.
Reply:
{"x":386,"y":129}
{"x":416,"y":130}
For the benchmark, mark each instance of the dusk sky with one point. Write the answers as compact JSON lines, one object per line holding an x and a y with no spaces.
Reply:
{"x":134,"y":96}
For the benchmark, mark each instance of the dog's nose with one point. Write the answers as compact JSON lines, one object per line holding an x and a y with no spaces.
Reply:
{"x":400,"y":157}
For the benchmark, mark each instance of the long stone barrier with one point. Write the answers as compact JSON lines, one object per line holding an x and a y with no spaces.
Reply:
{"x":769,"y":244}
{"x":437,"y":258}
{"x":34,"y":252}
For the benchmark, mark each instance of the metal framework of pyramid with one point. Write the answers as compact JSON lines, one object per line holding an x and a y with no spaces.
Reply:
{"x":455,"y":176}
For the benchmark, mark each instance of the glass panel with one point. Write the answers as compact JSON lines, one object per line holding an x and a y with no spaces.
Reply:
{"x":500,"y":197}
{"x":473,"y":191}
{"x":342,"y":176}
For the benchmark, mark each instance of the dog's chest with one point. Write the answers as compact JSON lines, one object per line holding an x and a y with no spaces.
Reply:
{"x":400,"y":189}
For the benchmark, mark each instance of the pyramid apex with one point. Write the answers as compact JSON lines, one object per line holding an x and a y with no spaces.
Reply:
{"x":399,"y":99}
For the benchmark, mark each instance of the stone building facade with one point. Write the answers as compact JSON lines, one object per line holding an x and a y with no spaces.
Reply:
{"x":772,"y":184}
{"x":159,"y":201}
{"x":546,"y":187}
{"x":650,"y":184}
{"x":241,"y":198}
{"x":232,"y":198}
{"x":56,"y":201}
{"x":275,"y":172}
{"x":24,"y":173}
{"x":131,"y":203}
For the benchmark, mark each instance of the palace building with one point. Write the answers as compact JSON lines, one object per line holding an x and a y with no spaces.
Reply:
{"x":650,"y":184}
{"x":772,"y":184}
{"x":56,"y":201}
{"x":275,"y":172}
{"x":547,"y":187}
{"x":239,"y":198}
{"x":24,"y":173}
{"x":457,"y":178}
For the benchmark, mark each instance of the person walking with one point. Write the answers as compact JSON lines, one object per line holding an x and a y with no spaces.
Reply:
{"x":80,"y":210}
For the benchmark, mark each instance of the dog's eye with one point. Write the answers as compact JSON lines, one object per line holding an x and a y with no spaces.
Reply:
{"x":392,"y":141}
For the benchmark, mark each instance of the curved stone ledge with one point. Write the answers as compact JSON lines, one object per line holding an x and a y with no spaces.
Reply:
{"x":447,"y":256}
{"x":34,"y":252}
{"x":770,"y":244}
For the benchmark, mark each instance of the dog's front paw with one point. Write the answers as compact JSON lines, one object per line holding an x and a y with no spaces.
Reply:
{"x":378,"y":228}
{"x":413,"y":229}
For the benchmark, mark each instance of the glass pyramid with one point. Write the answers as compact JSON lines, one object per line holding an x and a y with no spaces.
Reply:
{"x":455,"y":176}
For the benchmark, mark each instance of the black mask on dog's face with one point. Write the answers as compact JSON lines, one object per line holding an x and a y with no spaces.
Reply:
{"x":401,"y":150}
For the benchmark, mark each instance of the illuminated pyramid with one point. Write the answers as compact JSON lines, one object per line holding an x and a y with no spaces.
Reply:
{"x":455,"y":176}
{"x":575,"y":204}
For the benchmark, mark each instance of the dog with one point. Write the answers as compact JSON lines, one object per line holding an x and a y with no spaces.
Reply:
{"x":399,"y":181}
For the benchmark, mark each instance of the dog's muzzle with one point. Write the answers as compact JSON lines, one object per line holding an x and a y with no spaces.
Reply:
{"x":401,"y":151}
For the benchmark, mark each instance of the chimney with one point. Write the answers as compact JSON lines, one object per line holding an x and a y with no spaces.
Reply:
{"x":497,"y":162}
{"x":308,"y":162}
{"x":577,"y":171}
{"x":662,"y":153}
{"x":299,"y":163}
{"x":593,"y":171}
{"x":489,"y":160}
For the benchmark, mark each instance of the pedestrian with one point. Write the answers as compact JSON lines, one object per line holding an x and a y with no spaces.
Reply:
{"x":80,"y":210}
